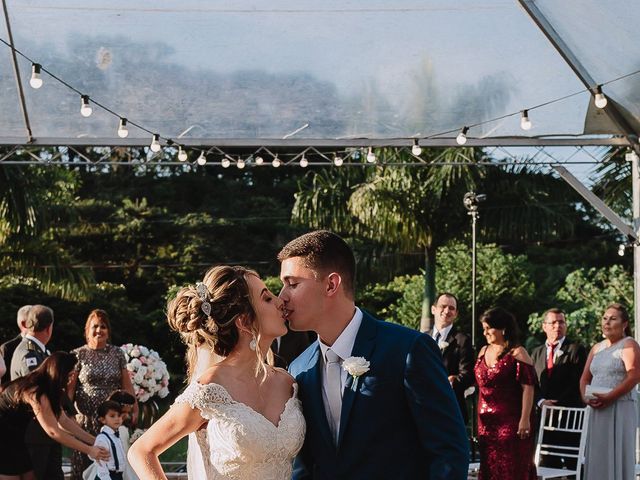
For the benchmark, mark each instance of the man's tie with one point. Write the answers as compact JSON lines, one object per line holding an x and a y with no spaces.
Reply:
{"x":550,"y":358}
{"x":334,"y":392}
{"x":116,"y":433}
{"x":437,"y":337}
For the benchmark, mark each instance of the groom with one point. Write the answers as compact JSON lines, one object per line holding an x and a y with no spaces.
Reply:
{"x":399,"y":419}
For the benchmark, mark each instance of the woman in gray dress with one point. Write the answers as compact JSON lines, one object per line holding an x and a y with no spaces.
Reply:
{"x":613,"y":366}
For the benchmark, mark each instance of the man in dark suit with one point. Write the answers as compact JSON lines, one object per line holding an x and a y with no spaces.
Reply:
{"x":7,"y":348}
{"x":46,"y":454}
{"x":288,"y":347}
{"x":559,"y":363}
{"x":375,"y":394}
{"x":456,"y":348}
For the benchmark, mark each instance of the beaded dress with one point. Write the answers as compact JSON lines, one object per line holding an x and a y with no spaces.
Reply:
{"x":240,"y":443}
{"x":504,"y":455}
{"x":99,"y":374}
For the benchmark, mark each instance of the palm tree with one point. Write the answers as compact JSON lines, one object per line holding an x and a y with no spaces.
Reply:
{"x":408,"y":208}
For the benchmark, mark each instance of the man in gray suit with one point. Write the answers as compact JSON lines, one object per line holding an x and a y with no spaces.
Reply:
{"x":7,"y":348}
{"x":46,"y":454}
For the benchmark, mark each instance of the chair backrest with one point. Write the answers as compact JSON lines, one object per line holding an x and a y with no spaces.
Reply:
{"x":563,"y":419}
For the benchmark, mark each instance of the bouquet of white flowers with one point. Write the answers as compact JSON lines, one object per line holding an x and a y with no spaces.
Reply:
{"x":137,"y":433}
{"x":148,"y":372}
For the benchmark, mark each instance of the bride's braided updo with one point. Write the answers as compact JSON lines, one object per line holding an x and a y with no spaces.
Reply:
{"x":226,"y":291}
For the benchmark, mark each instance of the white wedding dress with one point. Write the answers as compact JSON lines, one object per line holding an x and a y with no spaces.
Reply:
{"x":238,"y":442}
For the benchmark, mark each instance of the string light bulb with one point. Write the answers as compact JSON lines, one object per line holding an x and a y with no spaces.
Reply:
{"x":525,"y":123}
{"x":621,"y":248}
{"x":338,"y":161}
{"x":155,"y":143}
{"x":259,"y":160}
{"x":182,"y":154}
{"x":240,"y":164}
{"x":36,"y":80}
{"x":225,"y":163}
{"x":123,"y":132}
{"x":600,"y":99}
{"x":276,"y":162}
{"x":304,"y":163}
{"x":85,"y":109}
{"x":202,"y":159}
{"x":461,"y":139}
{"x":371,"y":157}
{"x":416,"y":149}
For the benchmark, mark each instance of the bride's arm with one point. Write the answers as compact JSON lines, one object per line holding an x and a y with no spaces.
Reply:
{"x":178,"y":422}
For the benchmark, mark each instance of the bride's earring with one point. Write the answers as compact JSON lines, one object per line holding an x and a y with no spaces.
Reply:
{"x":253,"y":343}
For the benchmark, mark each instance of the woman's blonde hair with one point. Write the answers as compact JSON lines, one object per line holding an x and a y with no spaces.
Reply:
{"x":228,"y":297}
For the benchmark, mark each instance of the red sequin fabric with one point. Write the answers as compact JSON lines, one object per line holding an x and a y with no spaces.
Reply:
{"x":503,"y":455}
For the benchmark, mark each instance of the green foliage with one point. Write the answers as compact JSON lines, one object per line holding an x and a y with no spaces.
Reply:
{"x":585,"y":295}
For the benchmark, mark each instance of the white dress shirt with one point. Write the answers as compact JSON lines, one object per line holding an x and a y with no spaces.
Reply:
{"x":342,"y":347}
{"x":443,"y":333}
{"x":103,"y":468}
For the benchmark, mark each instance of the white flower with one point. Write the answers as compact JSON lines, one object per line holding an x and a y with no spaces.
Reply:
{"x":443,"y":344}
{"x":164,"y":391}
{"x":558,"y":353}
{"x":149,"y":373}
{"x":137,"y":433}
{"x":135,"y":363}
{"x":355,"y":366}
{"x":144,"y":350}
{"x":135,"y":352}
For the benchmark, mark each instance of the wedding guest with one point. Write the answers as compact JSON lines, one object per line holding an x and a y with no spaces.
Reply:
{"x":559,"y":363}
{"x":101,"y":369}
{"x":46,"y":454}
{"x":39,"y":394}
{"x":110,"y":416}
{"x":613,"y":366}
{"x":7,"y":348}
{"x":126,"y":402}
{"x":375,"y":394}
{"x":506,"y":379}
{"x":456,"y":348}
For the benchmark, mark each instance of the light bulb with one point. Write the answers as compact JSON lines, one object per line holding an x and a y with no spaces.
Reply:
{"x":304,"y":163}
{"x":202,"y":159}
{"x":621,"y":249}
{"x":85,"y":109}
{"x":155,"y":143}
{"x":461,"y":139}
{"x":416,"y":149}
{"x":600,"y":100}
{"x":182,"y":155}
{"x":225,"y":163}
{"x":259,"y":160}
{"x":371,"y":157}
{"x":337,"y":161}
{"x":525,"y":123}
{"x":123,"y":132}
{"x":36,"y":79}
{"x":240,"y":164}
{"x":276,"y":162}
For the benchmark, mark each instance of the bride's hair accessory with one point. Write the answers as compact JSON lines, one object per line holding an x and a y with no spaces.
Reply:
{"x":203,"y":294}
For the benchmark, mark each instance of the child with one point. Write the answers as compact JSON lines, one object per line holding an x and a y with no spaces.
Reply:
{"x":126,"y":401}
{"x":109,"y":415}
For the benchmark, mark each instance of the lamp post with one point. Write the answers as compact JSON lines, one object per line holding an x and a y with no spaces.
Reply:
{"x":470,"y":202}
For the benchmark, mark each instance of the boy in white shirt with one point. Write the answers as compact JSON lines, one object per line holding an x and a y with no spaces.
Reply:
{"x":109,"y":414}
{"x":127,"y":403}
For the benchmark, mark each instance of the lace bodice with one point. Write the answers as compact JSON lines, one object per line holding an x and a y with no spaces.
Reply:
{"x":607,"y":367}
{"x":241,"y":443}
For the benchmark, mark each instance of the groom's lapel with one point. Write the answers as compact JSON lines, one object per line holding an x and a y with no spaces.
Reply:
{"x":363,"y":346}
{"x":314,"y":397}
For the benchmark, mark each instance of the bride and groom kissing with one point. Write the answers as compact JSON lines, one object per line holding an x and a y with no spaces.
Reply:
{"x":367,"y":400}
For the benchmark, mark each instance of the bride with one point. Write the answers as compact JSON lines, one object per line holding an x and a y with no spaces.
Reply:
{"x":246,"y":415}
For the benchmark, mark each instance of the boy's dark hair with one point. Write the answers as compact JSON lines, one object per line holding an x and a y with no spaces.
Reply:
{"x":122,"y":397}
{"x":107,"y":405}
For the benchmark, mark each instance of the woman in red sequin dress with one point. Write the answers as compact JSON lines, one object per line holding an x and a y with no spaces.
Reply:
{"x":506,"y":378}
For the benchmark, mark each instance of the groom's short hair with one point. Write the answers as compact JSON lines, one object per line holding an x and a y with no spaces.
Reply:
{"x":324,"y":252}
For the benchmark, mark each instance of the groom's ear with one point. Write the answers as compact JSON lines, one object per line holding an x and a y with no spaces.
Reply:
{"x":333,"y":282}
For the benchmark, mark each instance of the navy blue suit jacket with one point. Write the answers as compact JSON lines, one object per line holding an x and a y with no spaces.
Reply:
{"x":402,"y":422}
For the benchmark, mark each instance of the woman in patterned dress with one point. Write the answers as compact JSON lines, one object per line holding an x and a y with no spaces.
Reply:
{"x":100,"y":370}
{"x":506,"y":378}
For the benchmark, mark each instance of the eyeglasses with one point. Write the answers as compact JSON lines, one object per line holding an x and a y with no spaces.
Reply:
{"x":556,"y":322}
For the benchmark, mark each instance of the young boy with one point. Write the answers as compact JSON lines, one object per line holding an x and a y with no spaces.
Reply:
{"x":109,"y":415}
{"x":126,"y":401}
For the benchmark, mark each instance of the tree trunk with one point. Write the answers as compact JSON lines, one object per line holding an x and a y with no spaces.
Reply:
{"x":426,"y":321}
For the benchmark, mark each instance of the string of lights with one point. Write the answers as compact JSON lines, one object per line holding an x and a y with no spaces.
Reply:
{"x":88,"y":102}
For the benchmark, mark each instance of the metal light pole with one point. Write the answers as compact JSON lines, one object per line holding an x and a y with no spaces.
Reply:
{"x":470,"y":202}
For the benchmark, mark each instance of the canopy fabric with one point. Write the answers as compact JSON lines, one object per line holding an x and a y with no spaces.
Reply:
{"x":316,"y":73}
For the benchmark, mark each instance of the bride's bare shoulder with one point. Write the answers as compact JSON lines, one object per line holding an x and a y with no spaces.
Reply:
{"x":214,"y":374}
{"x":283,"y":377}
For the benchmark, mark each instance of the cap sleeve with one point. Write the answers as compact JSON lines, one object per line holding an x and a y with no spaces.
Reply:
{"x":122,"y":361}
{"x":204,"y":397}
{"x":525,"y":373}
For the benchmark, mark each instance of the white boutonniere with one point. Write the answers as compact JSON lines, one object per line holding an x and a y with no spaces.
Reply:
{"x":558,"y":353}
{"x":443,"y":344}
{"x":356,"y":366}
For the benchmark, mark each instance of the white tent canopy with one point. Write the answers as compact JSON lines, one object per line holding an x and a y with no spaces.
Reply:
{"x":320,"y":73}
